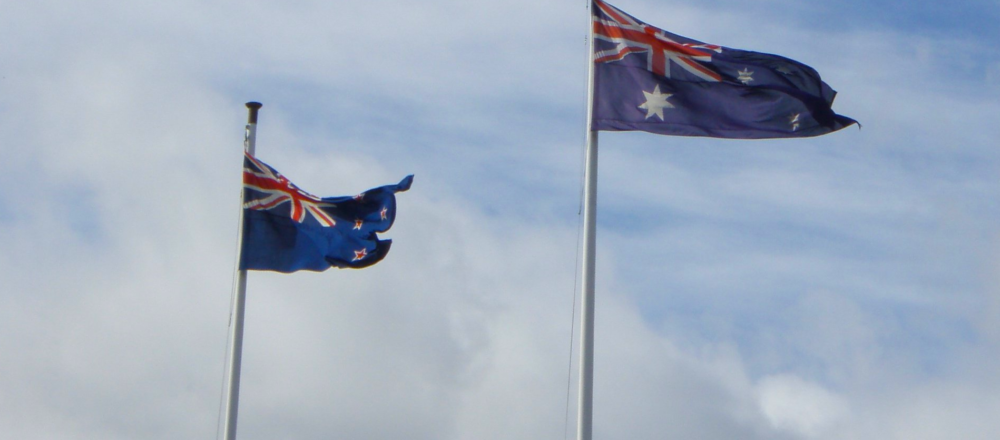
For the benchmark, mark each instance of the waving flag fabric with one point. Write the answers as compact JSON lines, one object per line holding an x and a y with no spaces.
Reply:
{"x":286,"y":229}
{"x":651,"y":80}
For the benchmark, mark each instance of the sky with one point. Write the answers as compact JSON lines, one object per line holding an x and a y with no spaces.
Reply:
{"x":839,"y":287}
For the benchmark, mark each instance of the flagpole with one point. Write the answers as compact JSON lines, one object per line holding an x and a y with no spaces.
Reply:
{"x":586,"y":396}
{"x":239,"y":296}
{"x":586,"y":410}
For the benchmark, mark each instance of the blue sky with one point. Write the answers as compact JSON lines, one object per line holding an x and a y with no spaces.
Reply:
{"x":837,"y":287}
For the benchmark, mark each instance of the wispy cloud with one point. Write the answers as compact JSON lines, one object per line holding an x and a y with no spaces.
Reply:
{"x":836,"y":287}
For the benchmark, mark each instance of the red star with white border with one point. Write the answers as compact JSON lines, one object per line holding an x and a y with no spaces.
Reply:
{"x":360,"y":254}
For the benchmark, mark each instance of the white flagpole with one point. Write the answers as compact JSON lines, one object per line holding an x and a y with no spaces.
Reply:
{"x":586,"y":397}
{"x":239,"y":297}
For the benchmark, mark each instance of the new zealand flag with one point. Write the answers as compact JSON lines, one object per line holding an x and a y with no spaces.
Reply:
{"x":650,"y":80}
{"x":286,"y":229}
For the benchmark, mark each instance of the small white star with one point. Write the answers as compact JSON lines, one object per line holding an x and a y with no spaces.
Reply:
{"x":656,"y":102}
{"x":357,"y":224}
{"x":793,"y":120}
{"x":385,"y":210}
{"x":746,"y":75}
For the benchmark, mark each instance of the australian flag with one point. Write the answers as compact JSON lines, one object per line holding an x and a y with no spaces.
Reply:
{"x":650,"y":80}
{"x":286,"y":229}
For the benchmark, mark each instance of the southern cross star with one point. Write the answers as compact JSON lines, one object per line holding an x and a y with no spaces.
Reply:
{"x":656,"y":102}
{"x":746,"y":75}
{"x":359,"y":254}
{"x":793,"y":120}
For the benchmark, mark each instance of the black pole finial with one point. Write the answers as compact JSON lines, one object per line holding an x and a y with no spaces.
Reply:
{"x":253,"y":106}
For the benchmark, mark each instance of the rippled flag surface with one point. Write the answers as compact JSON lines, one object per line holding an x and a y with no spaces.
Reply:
{"x":286,"y":229}
{"x":651,"y":80}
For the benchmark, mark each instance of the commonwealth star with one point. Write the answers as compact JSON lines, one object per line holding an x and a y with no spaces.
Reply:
{"x":656,"y":102}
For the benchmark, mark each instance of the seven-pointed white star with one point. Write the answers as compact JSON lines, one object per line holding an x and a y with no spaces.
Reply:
{"x":746,"y":75}
{"x":655,"y":102}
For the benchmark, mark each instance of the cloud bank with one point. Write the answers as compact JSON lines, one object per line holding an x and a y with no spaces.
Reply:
{"x":831,"y":288}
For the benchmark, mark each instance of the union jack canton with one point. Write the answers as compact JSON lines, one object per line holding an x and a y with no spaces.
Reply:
{"x":651,"y":80}
{"x":286,"y":229}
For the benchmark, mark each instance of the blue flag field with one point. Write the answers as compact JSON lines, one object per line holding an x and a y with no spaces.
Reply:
{"x":650,"y":80}
{"x":286,"y":229}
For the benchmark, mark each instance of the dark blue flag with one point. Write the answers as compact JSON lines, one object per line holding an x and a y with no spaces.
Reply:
{"x":286,"y":229}
{"x":651,"y":80}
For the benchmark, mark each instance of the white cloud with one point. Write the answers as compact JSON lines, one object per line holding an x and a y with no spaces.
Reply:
{"x":795,"y":405}
{"x":830,"y":288}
